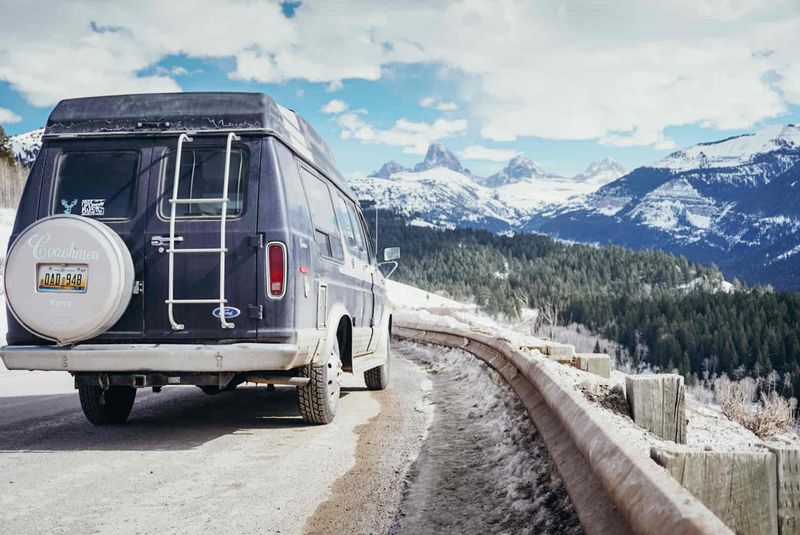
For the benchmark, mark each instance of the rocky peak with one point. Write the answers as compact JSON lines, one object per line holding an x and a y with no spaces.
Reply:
{"x":388,"y":169}
{"x":439,"y":156}
{"x":519,"y":168}
{"x":604,"y":171}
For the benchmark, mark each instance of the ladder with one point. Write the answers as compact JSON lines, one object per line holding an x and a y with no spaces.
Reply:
{"x":221,"y":250}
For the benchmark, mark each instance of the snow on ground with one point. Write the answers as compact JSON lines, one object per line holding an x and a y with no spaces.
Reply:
{"x":502,"y":479}
{"x":7,"y":216}
{"x":707,"y":426}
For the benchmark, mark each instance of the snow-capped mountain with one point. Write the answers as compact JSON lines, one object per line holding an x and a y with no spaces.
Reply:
{"x":519,"y":169}
{"x":440,"y":191}
{"x":601,"y":173}
{"x":735,"y":202}
{"x":26,"y":146}
{"x":439,"y":156}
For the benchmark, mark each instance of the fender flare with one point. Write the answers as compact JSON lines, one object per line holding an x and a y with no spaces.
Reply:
{"x":336,"y":313}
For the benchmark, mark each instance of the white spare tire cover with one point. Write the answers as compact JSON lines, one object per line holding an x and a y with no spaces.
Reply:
{"x":74,"y":242}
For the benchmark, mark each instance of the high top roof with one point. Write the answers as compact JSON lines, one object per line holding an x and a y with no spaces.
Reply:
{"x":173,"y":113}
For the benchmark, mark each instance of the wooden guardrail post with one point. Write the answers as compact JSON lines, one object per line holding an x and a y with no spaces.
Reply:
{"x":657,"y":403}
{"x":739,"y":487}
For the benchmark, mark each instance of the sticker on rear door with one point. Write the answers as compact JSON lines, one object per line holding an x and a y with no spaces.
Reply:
{"x":230,"y":312}
{"x":93,"y":207}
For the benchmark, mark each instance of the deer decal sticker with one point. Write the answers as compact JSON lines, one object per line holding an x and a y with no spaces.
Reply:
{"x":68,"y":205}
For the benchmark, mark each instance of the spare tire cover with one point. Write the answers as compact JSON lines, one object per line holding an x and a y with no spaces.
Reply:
{"x":85,"y":246}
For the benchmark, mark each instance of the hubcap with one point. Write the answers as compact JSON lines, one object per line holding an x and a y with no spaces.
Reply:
{"x":334,"y":372}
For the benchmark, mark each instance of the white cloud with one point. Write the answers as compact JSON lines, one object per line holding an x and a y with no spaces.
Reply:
{"x":335,"y":106}
{"x":620,"y":72}
{"x":8,"y":117}
{"x":414,"y":137}
{"x":480,"y":152}
{"x":334,"y":86}
{"x":433,"y":102}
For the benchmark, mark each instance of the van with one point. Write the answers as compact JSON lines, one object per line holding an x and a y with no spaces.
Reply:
{"x":200,"y":239}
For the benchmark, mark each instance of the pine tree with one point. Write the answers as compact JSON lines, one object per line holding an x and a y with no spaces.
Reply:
{"x":6,"y":152}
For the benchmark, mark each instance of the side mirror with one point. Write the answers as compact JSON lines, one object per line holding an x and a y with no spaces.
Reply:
{"x":390,"y":257}
{"x":390,"y":254}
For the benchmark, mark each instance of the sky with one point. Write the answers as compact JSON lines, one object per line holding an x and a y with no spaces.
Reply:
{"x":564,"y":82}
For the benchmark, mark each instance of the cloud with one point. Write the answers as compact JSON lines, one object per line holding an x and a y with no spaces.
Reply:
{"x":618,"y":72}
{"x":414,"y":137}
{"x":335,"y":106}
{"x":432,"y":102}
{"x":479,"y":152}
{"x":334,"y":86}
{"x":8,"y":117}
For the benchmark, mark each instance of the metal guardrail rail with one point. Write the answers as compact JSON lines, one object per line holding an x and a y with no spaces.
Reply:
{"x":614,"y":487}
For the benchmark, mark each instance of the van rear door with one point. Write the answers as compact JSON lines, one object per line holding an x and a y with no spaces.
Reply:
{"x":197,"y":226}
{"x":106,"y":180}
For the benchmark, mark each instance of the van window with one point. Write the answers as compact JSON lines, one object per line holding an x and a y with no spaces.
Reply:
{"x":352,"y":237}
{"x":326,"y":231}
{"x":98,"y":184}
{"x":360,"y":249}
{"x":367,"y":237}
{"x":201,"y":177}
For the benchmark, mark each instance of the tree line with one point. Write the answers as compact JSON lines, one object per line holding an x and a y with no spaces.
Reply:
{"x":668,"y":313}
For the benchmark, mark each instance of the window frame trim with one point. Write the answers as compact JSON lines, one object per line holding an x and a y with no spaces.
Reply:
{"x":56,"y":182}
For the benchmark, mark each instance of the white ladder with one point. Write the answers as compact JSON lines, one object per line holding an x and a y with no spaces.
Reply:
{"x":221,"y":250}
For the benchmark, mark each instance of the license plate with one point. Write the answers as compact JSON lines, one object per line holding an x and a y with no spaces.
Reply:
{"x":71,"y":278}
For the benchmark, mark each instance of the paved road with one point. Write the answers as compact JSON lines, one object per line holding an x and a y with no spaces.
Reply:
{"x":239,"y":462}
{"x":446,"y":449}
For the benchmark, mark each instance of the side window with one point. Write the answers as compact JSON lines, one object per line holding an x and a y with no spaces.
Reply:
{"x":201,"y":177}
{"x":367,"y":237}
{"x":360,"y":242}
{"x":348,"y":228}
{"x":326,"y":231}
{"x":98,"y":184}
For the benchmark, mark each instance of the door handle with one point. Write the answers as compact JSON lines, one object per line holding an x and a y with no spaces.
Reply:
{"x":161,"y":241}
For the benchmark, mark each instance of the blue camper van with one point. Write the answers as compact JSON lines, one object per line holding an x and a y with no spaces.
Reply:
{"x":200,"y":239}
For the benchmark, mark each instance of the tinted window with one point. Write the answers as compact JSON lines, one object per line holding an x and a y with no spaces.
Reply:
{"x":326,"y":231}
{"x":201,"y":177}
{"x":99,"y":184}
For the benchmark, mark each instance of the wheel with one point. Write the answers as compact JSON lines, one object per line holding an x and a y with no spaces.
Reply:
{"x":319,"y":399}
{"x":104,"y":407}
{"x":378,"y":378}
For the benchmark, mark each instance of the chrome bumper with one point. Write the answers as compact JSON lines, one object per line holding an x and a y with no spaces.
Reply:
{"x":239,"y":357}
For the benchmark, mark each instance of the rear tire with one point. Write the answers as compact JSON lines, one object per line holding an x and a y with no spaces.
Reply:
{"x":319,"y":399}
{"x":378,"y":378}
{"x":108,"y":407}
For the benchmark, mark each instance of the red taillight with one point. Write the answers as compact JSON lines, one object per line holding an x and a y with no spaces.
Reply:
{"x":276,"y":262}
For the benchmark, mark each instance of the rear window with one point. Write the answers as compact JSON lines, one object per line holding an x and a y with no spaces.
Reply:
{"x":201,"y":177}
{"x":97,"y":184}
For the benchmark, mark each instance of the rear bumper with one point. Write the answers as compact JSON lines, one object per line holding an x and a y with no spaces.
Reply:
{"x":240,"y":357}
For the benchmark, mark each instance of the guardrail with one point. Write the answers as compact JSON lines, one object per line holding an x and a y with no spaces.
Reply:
{"x":614,"y":487}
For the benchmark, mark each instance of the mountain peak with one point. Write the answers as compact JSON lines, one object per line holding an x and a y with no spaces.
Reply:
{"x":602,"y":172}
{"x":733,"y":151}
{"x":519,"y":168}
{"x":388,"y":169}
{"x":439,"y":156}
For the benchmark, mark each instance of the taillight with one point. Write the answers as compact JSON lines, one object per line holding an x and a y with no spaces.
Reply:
{"x":276,"y":266}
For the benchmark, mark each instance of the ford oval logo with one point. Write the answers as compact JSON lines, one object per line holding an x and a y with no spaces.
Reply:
{"x":230,"y":312}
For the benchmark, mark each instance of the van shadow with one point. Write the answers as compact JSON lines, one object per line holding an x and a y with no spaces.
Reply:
{"x":176,"y":419}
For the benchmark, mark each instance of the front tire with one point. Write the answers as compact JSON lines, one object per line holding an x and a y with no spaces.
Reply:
{"x":319,"y":399}
{"x":106,"y":407}
{"x":378,"y":378}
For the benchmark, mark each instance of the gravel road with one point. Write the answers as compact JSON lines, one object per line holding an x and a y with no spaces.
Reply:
{"x":243,"y":461}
